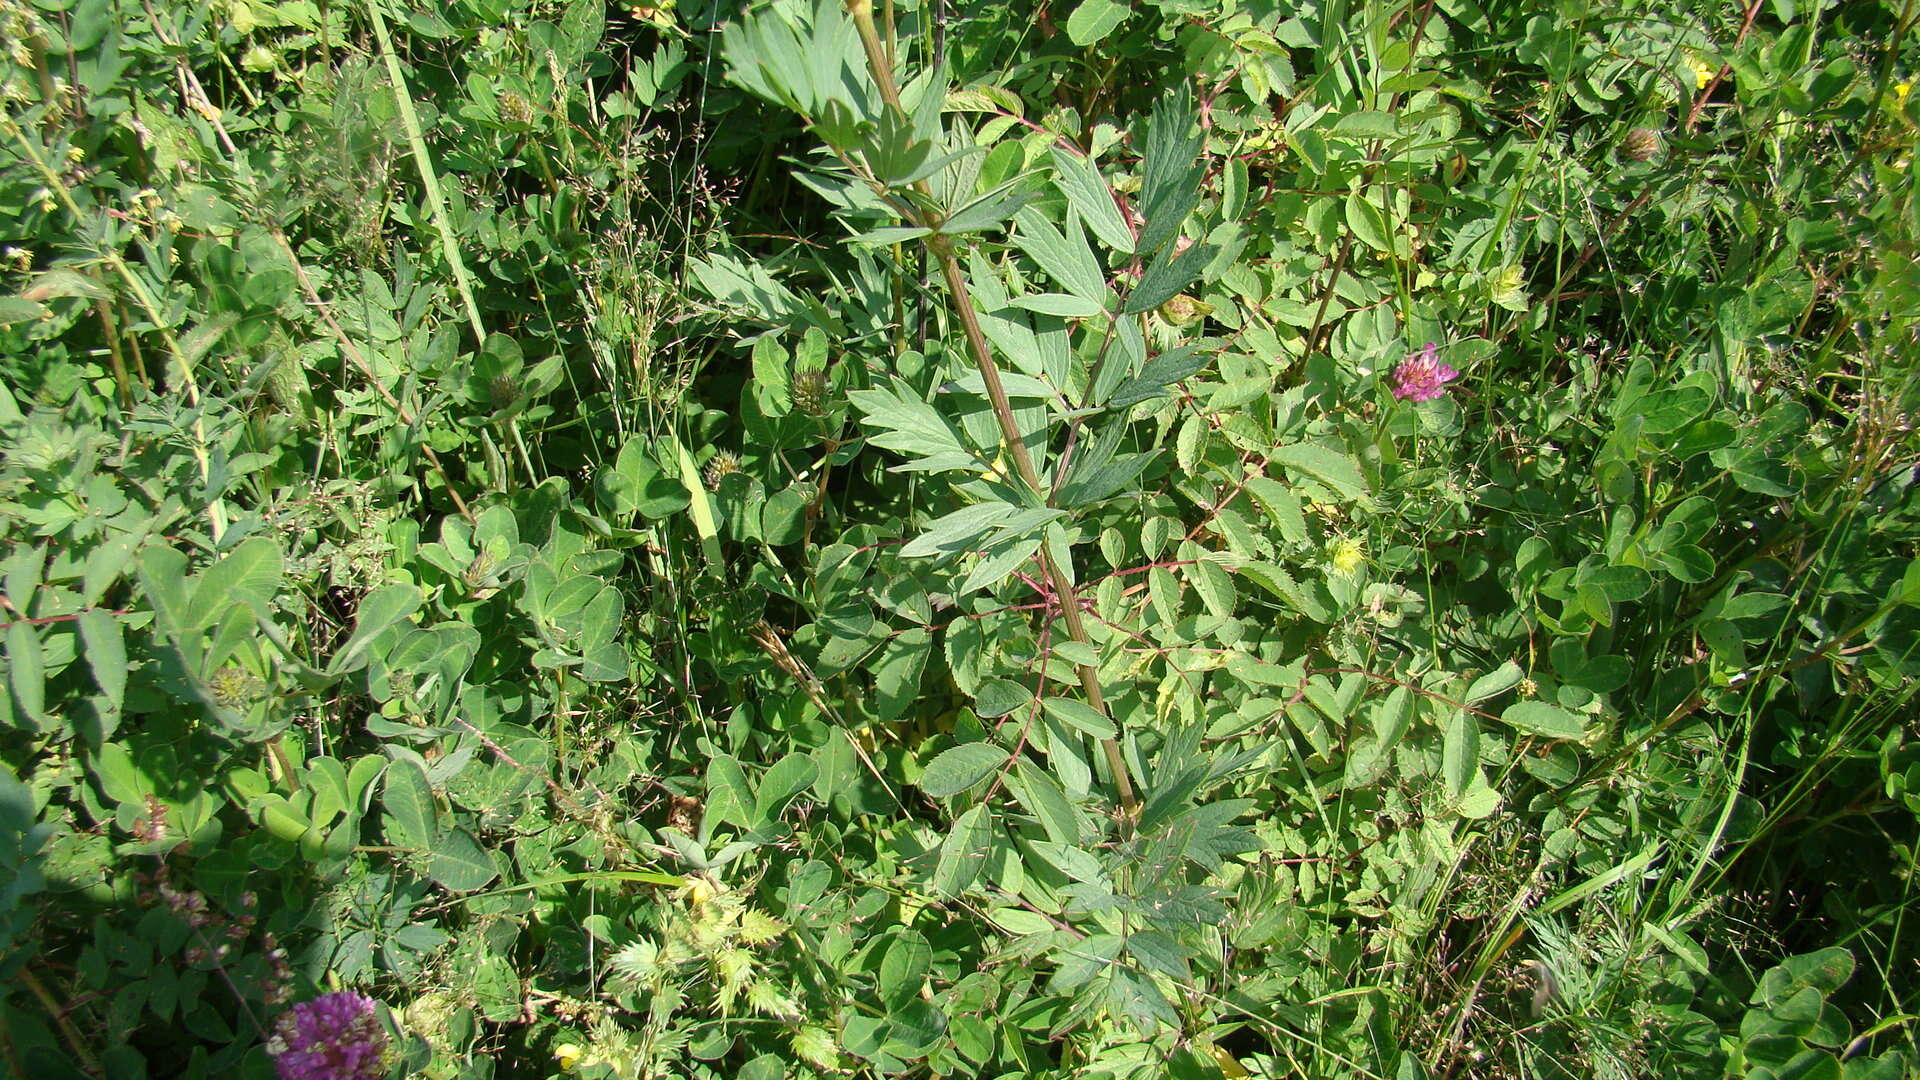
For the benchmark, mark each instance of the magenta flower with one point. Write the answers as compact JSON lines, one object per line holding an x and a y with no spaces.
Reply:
{"x":1422,"y":377}
{"x":335,"y":1036}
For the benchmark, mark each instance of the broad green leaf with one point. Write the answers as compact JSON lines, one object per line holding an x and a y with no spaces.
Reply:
{"x":1000,"y":697}
{"x":1368,"y":223}
{"x":1214,"y":584}
{"x":961,"y":767}
{"x":249,"y":574}
{"x":729,"y":797}
{"x":379,"y":609}
{"x":788,"y":777}
{"x":1460,"y":753}
{"x":1281,"y":505}
{"x":896,"y":675}
{"x":1093,"y":20}
{"x":1825,"y":971}
{"x":1391,"y":717}
{"x":27,"y":670}
{"x":1330,"y":467}
{"x":1061,"y":305}
{"x":1047,"y":801}
{"x":771,"y":378}
{"x":106,"y":653}
{"x":635,"y":483}
{"x":1262,"y":673}
{"x":408,"y":800}
{"x":1544,"y":719}
{"x":1478,"y":802}
{"x":459,"y":864}
{"x":904,"y":960}
{"x":1081,"y":716}
{"x":963,"y":854}
{"x":1498,"y":681}
{"x":953,"y":533}
{"x":998,"y":561}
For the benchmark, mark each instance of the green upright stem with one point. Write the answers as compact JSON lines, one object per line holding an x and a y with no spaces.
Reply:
{"x":1058,"y":582}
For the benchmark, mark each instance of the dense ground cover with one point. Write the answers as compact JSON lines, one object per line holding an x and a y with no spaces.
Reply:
{"x":1187,"y":539}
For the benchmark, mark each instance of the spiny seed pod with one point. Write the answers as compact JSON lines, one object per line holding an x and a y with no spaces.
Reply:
{"x":260,"y":59}
{"x":514,"y":108}
{"x":719,"y":467}
{"x":242,"y":18}
{"x":1641,"y":144}
{"x":235,"y":688}
{"x":809,"y":390}
{"x":1183,"y":310}
{"x":287,"y":379}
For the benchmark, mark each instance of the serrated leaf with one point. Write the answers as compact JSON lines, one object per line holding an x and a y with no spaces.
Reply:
{"x":1167,"y":276}
{"x":1331,"y":467}
{"x":1000,"y":697}
{"x":961,"y":767}
{"x":1163,"y":370}
{"x":907,"y":425}
{"x":1047,"y":801}
{"x":1064,"y":255}
{"x":1281,"y":505}
{"x":1090,"y":198}
{"x":1106,"y":480}
{"x":1215,"y":586}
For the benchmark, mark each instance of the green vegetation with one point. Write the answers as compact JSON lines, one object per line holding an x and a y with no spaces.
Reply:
{"x":1188,"y":539}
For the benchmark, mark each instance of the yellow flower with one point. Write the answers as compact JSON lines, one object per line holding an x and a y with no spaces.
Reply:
{"x":1702,"y":71}
{"x":1900,"y":92}
{"x":568,"y":1055}
{"x":1347,"y":555}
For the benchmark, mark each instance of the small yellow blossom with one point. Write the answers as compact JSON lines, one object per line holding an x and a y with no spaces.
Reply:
{"x":567,"y":1056}
{"x":1702,"y":71}
{"x":699,"y":889}
{"x":1900,"y":92}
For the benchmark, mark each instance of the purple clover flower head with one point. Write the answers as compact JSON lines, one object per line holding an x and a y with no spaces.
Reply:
{"x":1422,"y":377}
{"x":335,"y":1036}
